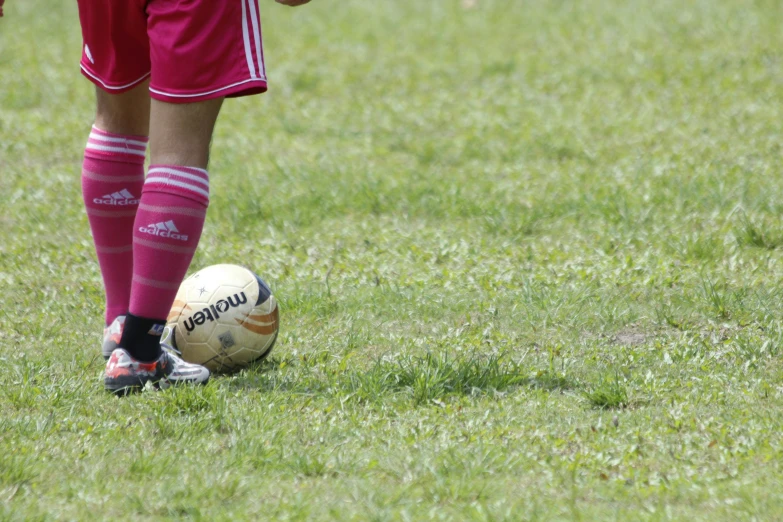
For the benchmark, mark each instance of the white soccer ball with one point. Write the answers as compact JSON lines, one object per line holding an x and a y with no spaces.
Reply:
{"x":224,"y":317}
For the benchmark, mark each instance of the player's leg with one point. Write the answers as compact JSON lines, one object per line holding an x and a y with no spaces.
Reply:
{"x":115,"y":58}
{"x":125,"y":113}
{"x":170,"y":218}
{"x":112,"y":178}
{"x":166,"y":232}
{"x":181,"y":133}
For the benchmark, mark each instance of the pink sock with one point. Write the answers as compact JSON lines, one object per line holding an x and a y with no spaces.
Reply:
{"x":112,"y":177}
{"x":165,"y":236}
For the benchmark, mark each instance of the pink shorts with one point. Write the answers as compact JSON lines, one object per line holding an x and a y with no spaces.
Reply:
{"x":191,"y":50}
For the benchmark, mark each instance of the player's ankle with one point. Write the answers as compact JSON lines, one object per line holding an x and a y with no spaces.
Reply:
{"x":141,"y":337}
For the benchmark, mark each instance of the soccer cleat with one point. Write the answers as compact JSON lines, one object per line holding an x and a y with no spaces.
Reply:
{"x":111,"y":336}
{"x":125,"y":374}
{"x":183,"y":372}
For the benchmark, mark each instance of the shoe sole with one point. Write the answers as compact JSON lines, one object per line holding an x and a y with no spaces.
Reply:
{"x":122,"y":391}
{"x":126,"y":388}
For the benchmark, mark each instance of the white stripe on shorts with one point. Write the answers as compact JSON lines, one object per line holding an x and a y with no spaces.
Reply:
{"x":112,"y":87}
{"x":246,"y":36}
{"x":206,"y":93}
{"x":257,"y":35}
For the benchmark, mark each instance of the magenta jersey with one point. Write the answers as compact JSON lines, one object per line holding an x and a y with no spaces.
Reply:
{"x":190,"y":50}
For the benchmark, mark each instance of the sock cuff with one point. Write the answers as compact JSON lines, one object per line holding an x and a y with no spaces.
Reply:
{"x":117,"y":147}
{"x":188,"y":182}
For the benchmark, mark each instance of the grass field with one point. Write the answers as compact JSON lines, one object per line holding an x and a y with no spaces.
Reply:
{"x":527,"y":254}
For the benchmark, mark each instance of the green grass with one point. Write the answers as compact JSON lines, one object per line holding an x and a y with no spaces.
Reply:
{"x":528,"y":256}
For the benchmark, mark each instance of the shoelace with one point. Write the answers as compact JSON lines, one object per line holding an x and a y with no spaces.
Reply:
{"x":171,"y":351}
{"x":166,"y":344}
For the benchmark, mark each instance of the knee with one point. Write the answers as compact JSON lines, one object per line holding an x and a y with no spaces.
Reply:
{"x":125,"y":113}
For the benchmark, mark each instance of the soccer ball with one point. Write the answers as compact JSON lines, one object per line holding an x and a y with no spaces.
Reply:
{"x":224,"y":317}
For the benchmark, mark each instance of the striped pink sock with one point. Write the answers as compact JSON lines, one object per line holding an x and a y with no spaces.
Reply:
{"x":165,"y":236}
{"x":112,"y":178}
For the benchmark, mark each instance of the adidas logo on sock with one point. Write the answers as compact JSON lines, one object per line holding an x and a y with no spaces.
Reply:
{"x":121,"y":198}
{"x":164,"y":229}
